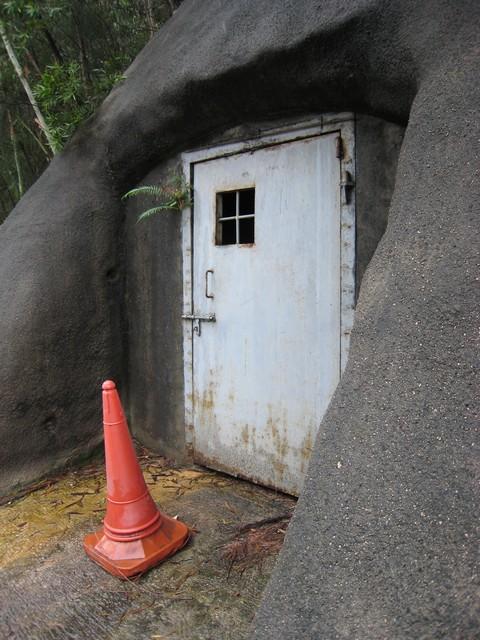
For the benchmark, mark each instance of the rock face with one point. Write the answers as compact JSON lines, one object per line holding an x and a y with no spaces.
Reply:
{"x":384,"y":538}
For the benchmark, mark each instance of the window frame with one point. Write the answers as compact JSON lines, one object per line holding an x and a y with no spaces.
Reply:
{"x":238,"y":217}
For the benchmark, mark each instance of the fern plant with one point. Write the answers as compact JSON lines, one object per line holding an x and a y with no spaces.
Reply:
{"x":175,"y":195}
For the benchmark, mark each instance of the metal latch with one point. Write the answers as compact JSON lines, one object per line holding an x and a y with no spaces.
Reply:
{"x":197,"y":321}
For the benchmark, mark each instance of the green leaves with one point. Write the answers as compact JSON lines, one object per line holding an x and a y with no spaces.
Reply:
{"x":175,"y":195}
{"x":71,"y":53}
{"x":66,"y":100}
{"x":23,"y":18}
{"x":147,"y":190}
{"x":153,"y":210}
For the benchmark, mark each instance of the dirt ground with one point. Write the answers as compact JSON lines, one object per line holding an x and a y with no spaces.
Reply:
{"x":50,"y":590}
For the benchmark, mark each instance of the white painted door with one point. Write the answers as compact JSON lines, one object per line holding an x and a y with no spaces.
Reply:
{"x":265,"y":371}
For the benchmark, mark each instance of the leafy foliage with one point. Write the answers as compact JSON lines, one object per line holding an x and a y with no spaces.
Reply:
{"x":175,"y":195}
{"x":65,"y":99}
{"x":72,"y":53}
{"x":61,"y":95}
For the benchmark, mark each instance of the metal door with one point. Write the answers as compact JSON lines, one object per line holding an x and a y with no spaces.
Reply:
{"x":266,"y":357}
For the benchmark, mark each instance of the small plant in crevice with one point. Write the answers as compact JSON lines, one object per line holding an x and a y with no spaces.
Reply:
{"x":173,"y":196}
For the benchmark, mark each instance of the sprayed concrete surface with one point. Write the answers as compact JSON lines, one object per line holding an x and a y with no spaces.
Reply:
{"x":50,"y":590}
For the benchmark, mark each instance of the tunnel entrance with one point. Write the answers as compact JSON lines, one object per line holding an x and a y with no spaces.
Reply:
{"x":267,"y":267}
{"x":270,"y":262}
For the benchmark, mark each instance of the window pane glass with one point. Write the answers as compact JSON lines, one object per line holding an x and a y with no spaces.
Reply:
{"x":247,"y":231}
{"x":247,"y":202}
{"x":228,"y":232}
{"x":228,"y":204}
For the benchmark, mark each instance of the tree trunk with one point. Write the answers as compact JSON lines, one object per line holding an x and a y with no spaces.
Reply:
{"x":84,"y":68}
{"x":13,"y":138}
{"x":33,"y":60}
{"x":37,"y":140}
{"x":18,"y":70}
{"x":57,"y":54}
{"x":26,"y":155}
{"x":7,"y":190}
{"x":171,"y":4}
{"x":152,"y":27}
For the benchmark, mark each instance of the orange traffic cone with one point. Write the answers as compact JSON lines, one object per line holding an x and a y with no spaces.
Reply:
{"x":136,"y":535}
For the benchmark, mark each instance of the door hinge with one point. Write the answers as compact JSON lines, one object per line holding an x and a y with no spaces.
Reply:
{"x":339,"y":147}
{"x":346,"y":186}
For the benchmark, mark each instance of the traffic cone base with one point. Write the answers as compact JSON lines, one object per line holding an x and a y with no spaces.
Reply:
{"x":127,"y":559}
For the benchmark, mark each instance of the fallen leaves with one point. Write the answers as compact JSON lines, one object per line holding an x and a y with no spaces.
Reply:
{"x":39,"y":518}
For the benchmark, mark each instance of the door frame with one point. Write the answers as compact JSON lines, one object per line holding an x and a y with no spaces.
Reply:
{"x":344,"y":125}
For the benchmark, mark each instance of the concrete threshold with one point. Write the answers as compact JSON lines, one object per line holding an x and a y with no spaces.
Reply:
{"x":210,"y":590}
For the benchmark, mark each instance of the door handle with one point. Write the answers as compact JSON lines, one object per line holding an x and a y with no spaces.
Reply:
{"x":207,"y":295}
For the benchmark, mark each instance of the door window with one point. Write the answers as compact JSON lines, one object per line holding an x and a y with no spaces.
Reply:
{"x":235,"y":217}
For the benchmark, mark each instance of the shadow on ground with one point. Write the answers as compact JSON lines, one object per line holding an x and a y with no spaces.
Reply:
{"x":210,"y":590}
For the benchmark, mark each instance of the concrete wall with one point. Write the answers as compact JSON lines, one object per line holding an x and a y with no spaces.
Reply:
{"x":154,"y":306}
{"x":154,"y":278}
{"x":377,"y":147}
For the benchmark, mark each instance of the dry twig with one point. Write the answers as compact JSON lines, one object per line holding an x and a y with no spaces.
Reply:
{"x":253,"y":543}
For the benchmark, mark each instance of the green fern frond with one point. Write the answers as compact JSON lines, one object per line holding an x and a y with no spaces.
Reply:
{"x":153,"y":210}
{"x":146,"y":190}
{"x":174,"y":196}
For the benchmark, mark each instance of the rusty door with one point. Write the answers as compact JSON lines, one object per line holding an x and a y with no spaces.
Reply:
{"x":266,"y":302}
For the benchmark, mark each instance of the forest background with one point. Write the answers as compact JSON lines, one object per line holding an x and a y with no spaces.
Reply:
{"x":70,"y":54}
